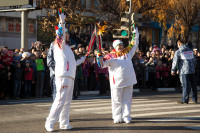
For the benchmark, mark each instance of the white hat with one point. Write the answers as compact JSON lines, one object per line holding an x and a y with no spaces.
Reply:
{"x":72,"y":46}
{"x":116,"y":43}
{"x":25,"y":54}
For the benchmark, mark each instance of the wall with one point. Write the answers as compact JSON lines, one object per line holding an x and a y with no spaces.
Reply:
{"x":10,"y":28}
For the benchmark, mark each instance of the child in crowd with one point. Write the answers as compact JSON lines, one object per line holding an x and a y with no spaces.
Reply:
{"x":29,"y":76}
{"x":16,"y":57}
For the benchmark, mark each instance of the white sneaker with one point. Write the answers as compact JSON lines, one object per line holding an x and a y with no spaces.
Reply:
{"x":117,"y":121}
{"x":127,"y":121}
{"x":68,"y":127}
{"x":49,"y":127}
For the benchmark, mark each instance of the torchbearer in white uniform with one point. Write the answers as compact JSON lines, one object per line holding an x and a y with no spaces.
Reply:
{"x":122,"y":78}
{"x":65,"y":68}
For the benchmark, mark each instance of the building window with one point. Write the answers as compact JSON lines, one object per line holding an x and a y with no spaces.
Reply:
{"x":94,"y":4}
{"x":83,"y":4}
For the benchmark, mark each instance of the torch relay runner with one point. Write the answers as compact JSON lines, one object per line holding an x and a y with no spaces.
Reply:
{"x":122,"y":77}
{"x":65,"y":69}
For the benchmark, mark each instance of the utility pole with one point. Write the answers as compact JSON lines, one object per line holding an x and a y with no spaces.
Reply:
{"x":24,"y":30}
{"x":130,"y":19}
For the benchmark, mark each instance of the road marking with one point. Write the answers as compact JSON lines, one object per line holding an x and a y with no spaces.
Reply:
{"x":29,"y":101}
{"x":197,"y":127}
{"x":133,"y":106}
{"x":192,"y":118}
{"x":81,"y":99}
{"x":166,"y":113}
{"x":101,"y":103}
{"x":153,"y":107}
{"x":89,"y":100}
{"x":155,"y":114}
{"x":162,"y":108}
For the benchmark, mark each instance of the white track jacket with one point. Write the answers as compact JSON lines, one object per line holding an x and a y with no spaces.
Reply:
{"x":121,"y":71}
{"x":65,"y":62}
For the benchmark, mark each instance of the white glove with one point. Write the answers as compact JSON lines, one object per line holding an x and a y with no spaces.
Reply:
{"x":137,"y":36}
{"x":62,"y":18}
{"x":64,"y":31}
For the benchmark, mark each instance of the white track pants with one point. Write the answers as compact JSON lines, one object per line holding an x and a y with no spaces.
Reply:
{"x":61,"y":105}
{"x":121,"y":103}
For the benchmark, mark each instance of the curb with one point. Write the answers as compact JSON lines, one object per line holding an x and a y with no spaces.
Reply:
{"x":83,"y":93}
{"x":165,"y":89}
{"x":89,"y":93}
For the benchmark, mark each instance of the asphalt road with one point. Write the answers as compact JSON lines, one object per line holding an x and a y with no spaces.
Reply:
{"x":153,"y":112}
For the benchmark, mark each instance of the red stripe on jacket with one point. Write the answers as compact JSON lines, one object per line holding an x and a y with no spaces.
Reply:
{"x":67,"y":66}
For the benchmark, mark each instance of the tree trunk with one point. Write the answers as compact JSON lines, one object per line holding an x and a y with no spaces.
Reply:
{"x":198,"y":39}
{"x":187,"y":33}
{"x":163,"y":38}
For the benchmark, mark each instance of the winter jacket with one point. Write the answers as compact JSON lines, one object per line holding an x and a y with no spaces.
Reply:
{"x":51,"y":61}
{"x":17,"y":73}
{"x":29,"y":73}
{"x":185,"y":60}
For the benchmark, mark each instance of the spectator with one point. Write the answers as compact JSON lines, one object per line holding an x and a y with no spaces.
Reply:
{"x":158,"y":73}
{"x":170,"y":45}
{"x":85,"y":76}
{"x":151,"y":75}
{"x":28,"y":79}
{"x":25,"y":57}
{"x":9,"y":85}
{"x":17,"y":78}
{"x":195,"y":51}
{"x":144,"y":45}
{"x":101,"y":75}
{"x":3,"y":79}
{"x":47,"y":90}
{"x":165,"y":74}
{"x":78,"y":79}
{"x":33,"y":65}
{"x":16,"y":57}
{"x":7,"y":58}
{"x":38,"y":46}
{"x":148,"y":54}
{"x":91,"y":78}
{"x":51,"y":65}
{"x":39,"y":83}
{"x":185,"y":60}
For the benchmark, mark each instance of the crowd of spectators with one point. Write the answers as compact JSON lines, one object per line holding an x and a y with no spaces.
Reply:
{"x":22,"y":72}
{"x":153,"y":66}
{"x":25,"y":74}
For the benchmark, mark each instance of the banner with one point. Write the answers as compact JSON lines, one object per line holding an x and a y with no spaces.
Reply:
{"x":2,"y":25}
{"x":31,"y":28}
{"x":18,"y":27}
{"x":11,"y":26}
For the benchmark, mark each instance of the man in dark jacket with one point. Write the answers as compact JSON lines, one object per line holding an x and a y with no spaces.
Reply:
{"x":185,"y":60}
{"x":17,"y":79}
{"x":51,"y":65}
